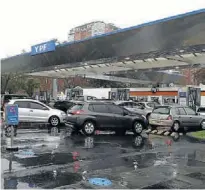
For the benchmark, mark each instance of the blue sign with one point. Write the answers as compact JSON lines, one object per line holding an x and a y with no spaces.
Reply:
{"x":182,"y":94}
{"x":43,"y":47}
{"x":12,"y":115}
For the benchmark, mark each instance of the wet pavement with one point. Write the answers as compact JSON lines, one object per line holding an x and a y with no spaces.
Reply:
{"x":68,"y":161}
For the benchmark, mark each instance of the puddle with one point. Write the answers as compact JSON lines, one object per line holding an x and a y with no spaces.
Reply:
{"x":44,"y":159}
{"x":197,"y":175}
{"x":171,"y":184}
{"x":46,"y":180}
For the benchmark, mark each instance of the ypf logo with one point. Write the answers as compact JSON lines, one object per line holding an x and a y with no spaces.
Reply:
{"x":41,"y":48}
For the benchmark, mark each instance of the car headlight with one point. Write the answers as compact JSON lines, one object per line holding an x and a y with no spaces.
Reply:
{"x":63,"y":114}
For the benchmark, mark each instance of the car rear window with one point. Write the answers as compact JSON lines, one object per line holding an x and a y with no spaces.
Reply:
{"x":162,"y":110}
{"x":76,"y":107}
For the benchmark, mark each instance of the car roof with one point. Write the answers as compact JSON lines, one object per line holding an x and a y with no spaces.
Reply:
{"x":121,"y":101}
{"x":172,"y":106}
{"x":24,"y":100}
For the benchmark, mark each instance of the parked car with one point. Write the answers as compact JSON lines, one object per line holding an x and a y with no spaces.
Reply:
{"x":91,"y":116}
{"x":176,"y":118}
{"x":33,"y":111}
{"x":63,"y":105}
{"x":136,"y":107}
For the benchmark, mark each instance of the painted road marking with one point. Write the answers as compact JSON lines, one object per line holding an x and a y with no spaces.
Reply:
{"x":167,"y":133}
{"x":160,"y":132}
{"x":153,"y":132}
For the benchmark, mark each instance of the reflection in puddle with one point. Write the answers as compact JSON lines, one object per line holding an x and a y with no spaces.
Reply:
{"x":46,"y":180}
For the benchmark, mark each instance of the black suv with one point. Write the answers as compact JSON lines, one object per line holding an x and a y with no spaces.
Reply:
{"x":91,"y":116}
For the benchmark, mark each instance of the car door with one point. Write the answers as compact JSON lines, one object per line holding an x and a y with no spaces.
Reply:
{"x":104,"y":118}
{"x":23,"y":109}
{"x":38,"y":112}
{"x":118,"y":113}
{"x":183,"y":117}
{"x":194,"y":119}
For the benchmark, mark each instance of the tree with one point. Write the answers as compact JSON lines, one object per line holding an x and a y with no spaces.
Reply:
{"x":29,"y":85}
{"x":10,"y":82}
{"x":13,"y":82}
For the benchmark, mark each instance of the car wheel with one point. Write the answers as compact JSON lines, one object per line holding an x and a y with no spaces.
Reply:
{"x":120,"y":132}
{"x":54,"y":121}
{"x":175,"y":127}
{"x":137,"y":127}
{"x":203,"y":125}
{"x":88,"y":128}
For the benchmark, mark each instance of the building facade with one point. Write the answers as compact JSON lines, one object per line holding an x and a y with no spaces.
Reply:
{"x":90,"y":30}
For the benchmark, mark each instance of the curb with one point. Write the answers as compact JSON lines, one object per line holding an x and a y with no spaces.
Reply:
{"x":194,"y":139}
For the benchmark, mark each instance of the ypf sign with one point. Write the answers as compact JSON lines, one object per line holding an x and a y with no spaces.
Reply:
{"x":43,"y":48}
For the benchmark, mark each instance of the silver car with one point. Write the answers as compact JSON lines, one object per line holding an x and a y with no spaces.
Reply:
{"x":137,"y":107}
{"x":33,"y":111}
{"x":175,"y":118}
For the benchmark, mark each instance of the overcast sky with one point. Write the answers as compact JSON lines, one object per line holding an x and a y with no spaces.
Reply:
{"x":25,"y":22}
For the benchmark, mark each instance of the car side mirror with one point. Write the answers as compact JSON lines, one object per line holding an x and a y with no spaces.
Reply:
{"x":197,"y":113}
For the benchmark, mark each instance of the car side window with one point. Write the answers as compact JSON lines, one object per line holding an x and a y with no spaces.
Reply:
{"x":100,"y":108}
{"x":150,"y":105}
{"x":181,"y":111}
{"x":190,"y":111}
{"x":115,"y":109}
{"x":34,"y":105}
{"x":175,"y":111}
{"x":22,"y":104}
{"x":138,"y":105}
{"x":90,"y":107}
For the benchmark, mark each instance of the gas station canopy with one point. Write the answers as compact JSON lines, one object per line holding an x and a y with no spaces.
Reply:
{"x":172,"y":42}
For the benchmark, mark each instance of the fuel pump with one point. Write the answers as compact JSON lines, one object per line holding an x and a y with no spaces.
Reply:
{"x":119,"y":94}
{"x":74,"y":92}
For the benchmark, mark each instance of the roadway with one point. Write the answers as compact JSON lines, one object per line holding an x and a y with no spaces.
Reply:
{"x":68,"y":161}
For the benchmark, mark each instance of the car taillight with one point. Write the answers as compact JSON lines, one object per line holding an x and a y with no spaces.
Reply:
{"x":77,"y":112}
{"x":169,"y":117}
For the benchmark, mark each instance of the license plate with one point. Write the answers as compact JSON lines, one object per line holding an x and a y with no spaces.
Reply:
{"x":68,"y":114}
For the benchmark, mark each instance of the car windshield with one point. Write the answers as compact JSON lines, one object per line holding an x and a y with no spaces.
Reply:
{"x":162,"y":110}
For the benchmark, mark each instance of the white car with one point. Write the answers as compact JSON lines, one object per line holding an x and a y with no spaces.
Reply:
{"x":33,"y":111}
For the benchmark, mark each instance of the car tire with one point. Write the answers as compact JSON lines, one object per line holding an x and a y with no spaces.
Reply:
{"x":203,"y":125}
{"x":120,"y":132}
{"x":148,"y":116}
{"x":54,"y":121}
{"x":137,"y":127}
{"x":88,"y":128}
{"x":175,"y":127}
